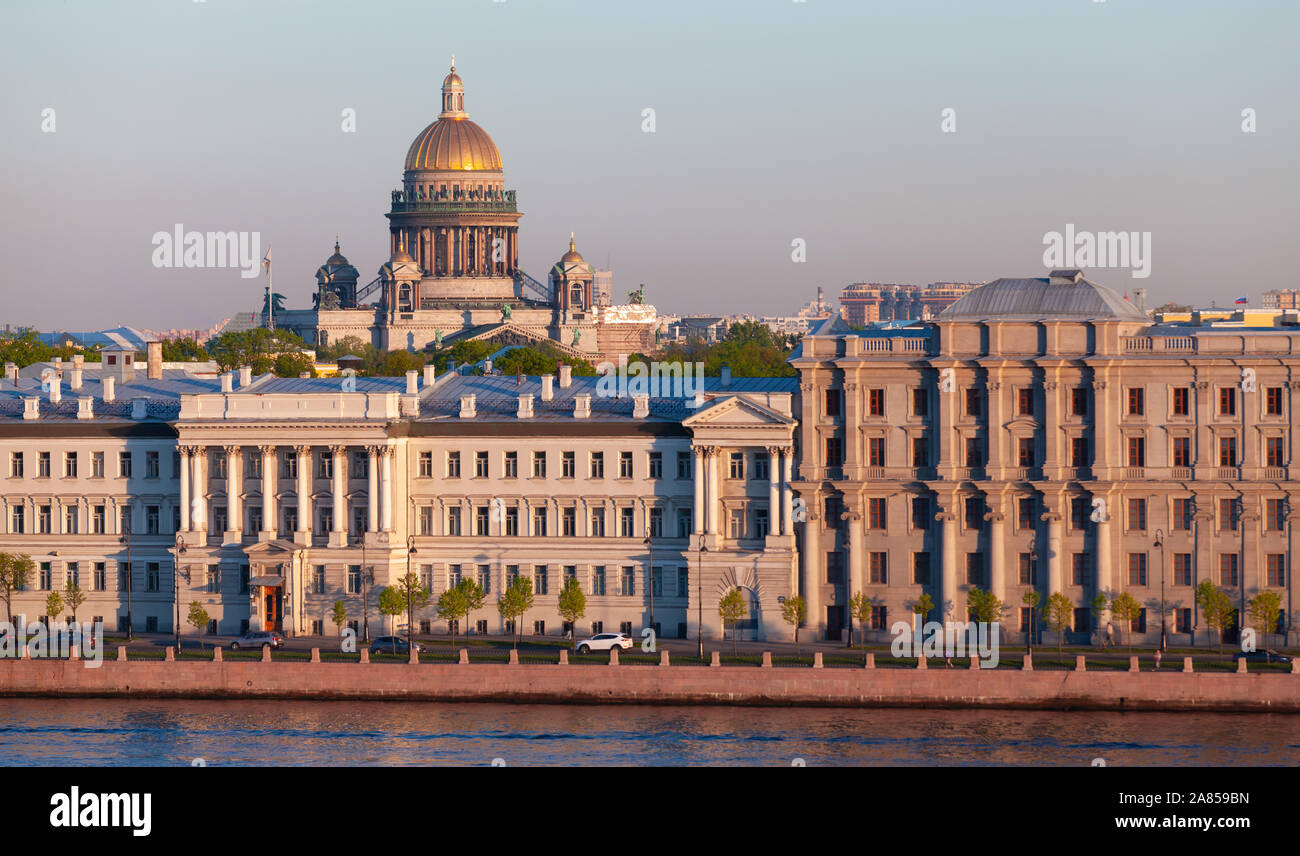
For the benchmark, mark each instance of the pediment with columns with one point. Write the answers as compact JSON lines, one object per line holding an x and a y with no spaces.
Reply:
{"x":738,"y":412}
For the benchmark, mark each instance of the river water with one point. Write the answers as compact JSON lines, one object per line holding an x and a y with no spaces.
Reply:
{"x":115,"y":732}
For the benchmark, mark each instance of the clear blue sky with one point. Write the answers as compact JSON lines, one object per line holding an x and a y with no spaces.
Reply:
{"x":775,"y":120}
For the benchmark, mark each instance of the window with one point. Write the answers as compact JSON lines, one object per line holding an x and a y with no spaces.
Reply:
{"x":96,"y":465}
{"x":685,"y":522}
{"x":318,"y":580}
{"x":151,"y":465}
{"x":1274,"y":514}
{"x":482,"y":516}
{"x":1137,"y":451}
{"x":683,"y":582}
{"x":1137,"y":515}
{"x":72,"y":575}
{"x":974,"y":508}
{"x":1182,"y":569}
{"x":834,"y":452}
{"x":1079,"y":569}
{"x":1182,"y":514}
{"x":1228,"y":569}
{"x":625,"y":465}
{"x":1182,"y":401}
{"x":453,"y":520}
{"x":354,"y":579}
{"x":1079,"y":401}
{"x":975,"y":569}
{"x":1136,"y":401}
{"x":123,"y":465}
{"x":657,"y":523}
{"x":16,"y":465}
{"x":596,"y":466}
{"x":920,"y":452}
{"x":878,"y":568}
{"x":99,"y":580}
{"x":598,"y":581}
{"x":974,"y":452}
{"x":1273,"y":401}
{"x":1025,"y":452}
{"x":254,"y":465}
{"x":683,"y":465}
{"x":69,"y":465}
{"x":1025,"y":513}
{"x":541,"y":580}
{"x":46,"y":581}
{"x":1182,"y":451}
{"x":16,"y":520}
{"x":760,"y":523}
{"x":569,"y":521}
{"x":598,"y":523}
{"x":835,"y":567}
{"x":151,"y":577}
{"x":289,"y":465}
{"x":539,"y":465}
{"x":219,"y":464}
{"x":510,"y":465}
{"x":879,"y":620}
{"x":1079,"y":513}
{"x":1275,"y":569}
{"x":567,"y":465}
{"x":1183,"y":620}
{"x":453,"y":465}
{"x":426,"y":465}
{"x":1227,"y":401}
{"x":426,"y":520}
{"x":920,"y":402}
{"x":736,"y":523}
{"x":877,"y":514}
{"x":1137,"y":569}
{"x":44,"y":520}
{"x":70,"y":518}
{"x":762,"y":466}
{"x":539,"y":522}
{"x":485,"y":580}
{"x":361,"y":465}
{"x":1227,"y":515}
{"x":1274,"y":456}
{"x":737,"y":466}
{"x":1026,"y":567}
{"x":1078,"y":451}
{"x":833,"y":402}
{"x":875,"y":451}
{"x":973,"y":407}
{"x":1025,"y":401}
{"x":151,"y":521}
{"x":454,"y":576}
{"x":480,"y":465}
{"x":875,"y":402}
{"x":921,"y":516}
{"x":921,"y":569}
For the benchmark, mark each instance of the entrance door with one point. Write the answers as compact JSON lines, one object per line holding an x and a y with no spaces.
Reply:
{"x":273,"y":607}
{"x":834,"y":622}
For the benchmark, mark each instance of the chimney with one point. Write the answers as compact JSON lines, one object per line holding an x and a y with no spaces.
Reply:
{"x":1065,"y":276}
{"x":110,"y":393}
{"x":154,"y":359}
{"x":451,"y":366}
{"x":548,"y":387}
{"x":227,"y":381}
{"x":467,"y":410}
{"x":487,"y":366}
{"x":11,"y":373}
{"x":245,"y":376}
{"x":74,"y":377}
{"x":1140,"y":299}
{"x":640,"y":406}
{"x":525,"y":406}
{"x":55,"y":394}
{"x":139,"y":408}
{"x":566,"y":376}
{"x":58,"y":366}
{"x":430,"y":374}
{"x":412,"y":382}
{"x":78,"y":361}
{"x":581,"y":406}
{"x":31,"y":408}
{"x":726,"y":375}
{"x":120,"y":363}
{"x":85,"y":407}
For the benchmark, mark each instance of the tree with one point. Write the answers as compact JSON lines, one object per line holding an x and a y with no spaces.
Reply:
{"x":53,"y":606}
{"x":540,"y":359}
{"x":1126,"y":609}
{"x":293,"y":365}
{"x":1060,"y":613}
{"x":1216,"y":608}
{"x":257,"y":348}
{"x":414,"y":596}
{"x":451,"y":606}
{"x":1264,"y":609}
{"x":1098,"y":610}
{"x":573,"y":604}
{"x":922,"y":606}
{"x":392,"y":603}
{"x":15,"y":575}
{"x":183,"y":350}
{"x":860,"y":608}
{"x":198,"y":619}
{"x":984,"y":606}
{"x":794,"y":611}
{"x":73,"y":598}
{"x":516,"y":600}
{"x":339,"y":615}
{"x":731,"y":609}
{"x":1030,"y":599}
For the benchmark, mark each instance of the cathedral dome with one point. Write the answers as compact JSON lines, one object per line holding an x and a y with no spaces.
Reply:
{"x":453,"y":142}
{"x":572,"y":257}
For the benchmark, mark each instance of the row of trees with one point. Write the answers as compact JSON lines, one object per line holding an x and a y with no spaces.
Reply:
{"x":24,"y":348}
{"x":750,"y":349}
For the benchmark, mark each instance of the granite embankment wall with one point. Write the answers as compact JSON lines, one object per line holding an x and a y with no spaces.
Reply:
{"x":1168,"y":690}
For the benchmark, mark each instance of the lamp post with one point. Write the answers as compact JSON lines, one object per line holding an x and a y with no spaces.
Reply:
{"x":360,"y":540}
{"x":1033,"y":587}
{"x":130,"y":572}
{"x":700,"y":550}
{"x":1160,"y":543}
{"x":176,"y":588}
{"x":649,"y":546}
{"x":410,"y":594}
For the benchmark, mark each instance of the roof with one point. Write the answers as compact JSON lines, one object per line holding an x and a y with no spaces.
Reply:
{"x":1041,"y":298}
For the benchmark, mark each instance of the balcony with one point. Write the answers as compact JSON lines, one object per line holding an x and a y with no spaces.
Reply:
{"x":1275,"y":473}
{"x":1135,"y":473}
{"x":1228,"y":473}
{"x":873,"y":473}
{"x":1182,"y":473}
{"x":1078,"y":473}
{"x":1027,"y":474}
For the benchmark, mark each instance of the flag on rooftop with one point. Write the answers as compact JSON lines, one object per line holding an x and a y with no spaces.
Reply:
{"x":1241,"y":301}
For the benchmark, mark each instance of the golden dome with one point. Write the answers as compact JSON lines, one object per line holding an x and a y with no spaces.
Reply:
{"x":453,"y":144}
{"x":452,"y":79}
{"x":572,"y":256}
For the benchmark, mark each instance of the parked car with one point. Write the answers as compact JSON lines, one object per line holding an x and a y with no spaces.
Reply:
{"x":393,"y":645}
{"x":1261,"y":657}
{"x":603,"y":642}
{"x":256,"y":639}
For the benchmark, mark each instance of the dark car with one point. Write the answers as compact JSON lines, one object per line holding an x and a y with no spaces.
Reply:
{"x":392,"y":645}
{"x":1261,"y":657}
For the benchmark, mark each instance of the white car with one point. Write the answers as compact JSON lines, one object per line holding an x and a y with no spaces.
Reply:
{"x":603,"y":642}
{"x":255,"y":640}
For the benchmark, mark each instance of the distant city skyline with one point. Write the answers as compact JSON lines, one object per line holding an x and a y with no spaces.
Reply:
{"x":821,"y":122}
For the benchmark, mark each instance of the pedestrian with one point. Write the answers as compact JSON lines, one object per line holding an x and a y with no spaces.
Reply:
{"x":1157,"y":658}
{"x":947,"y":656}
{"x":1110,"y":634}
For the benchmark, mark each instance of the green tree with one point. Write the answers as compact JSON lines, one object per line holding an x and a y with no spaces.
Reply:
{"x":257,"y":348}
{"x":452,"y":607}
{"x":1060,"y":612}
{"x":393,"y":604}
{"x":1126,"y":610}
{"x":339,"y":615}
{"x":984,"y":606}
{"x":1098,"y":610}
{"x":731,"y":609}
{"x":540,"y":359}
{"x":183,"y":350}
{"x":573,"y":605}
{"x":198,"y":619}
{"x":516,"y":600}
{"x":53,"y":606}
{"x":73,"y":597}
{"x":1264,"y":609}
{"x":24,"y":348}
{"x":462,"y":353}
{"x":15,"y":575}
{"x":793,"y":612}
{"x":346,"y":346}
{"x":922,"y":606}
{"x":414,"y":596}
{"x":393,"y":363}
{"x":1216,"y":609}
{"x":860,"y":608}
{"x":293,"y":365}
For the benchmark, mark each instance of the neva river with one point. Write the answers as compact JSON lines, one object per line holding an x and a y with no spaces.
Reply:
{"x":111,"y":732}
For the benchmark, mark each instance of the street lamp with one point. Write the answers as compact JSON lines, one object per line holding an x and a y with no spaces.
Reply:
{"x":649,"y":546}
{"x":360,"y":540}
{"x":130,"y":572}
{"x":176,"y":588}
{"x":700,"y":550}
{"x":410,"y":594}
{"x":1160,"y":542}
{"x":1033,"y":587}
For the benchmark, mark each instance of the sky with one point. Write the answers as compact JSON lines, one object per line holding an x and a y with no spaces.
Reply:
{"x":777,"y":125}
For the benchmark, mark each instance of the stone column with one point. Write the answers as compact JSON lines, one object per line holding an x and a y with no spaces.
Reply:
{"x":853,"y":458}
{"x":338,"y":534}
{"x":234,"y":489}
{"x":302,"y":491}
{"x":997,"y":549}
{"x":948,"y":573}
{"x":699,"y":460}
{"x":372,"y":495}
{"x":787,"y":503}
{"x":773,"y":490}
{"x":185,"y":489}
{"x":386,"y":491}
{"x":1054,"y":570}
{"x":949,"y":454}
{"x":813,"y":570}
{"x":1105,"y":559}
{"x":714,"y":494}
{"x":199,"y":511}
{"x":270,"y":522}
{"x":1054,"y":456}
{"x":996,"y":458}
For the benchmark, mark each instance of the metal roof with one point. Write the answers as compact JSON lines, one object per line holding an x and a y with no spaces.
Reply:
{"x":1040,"y":298}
